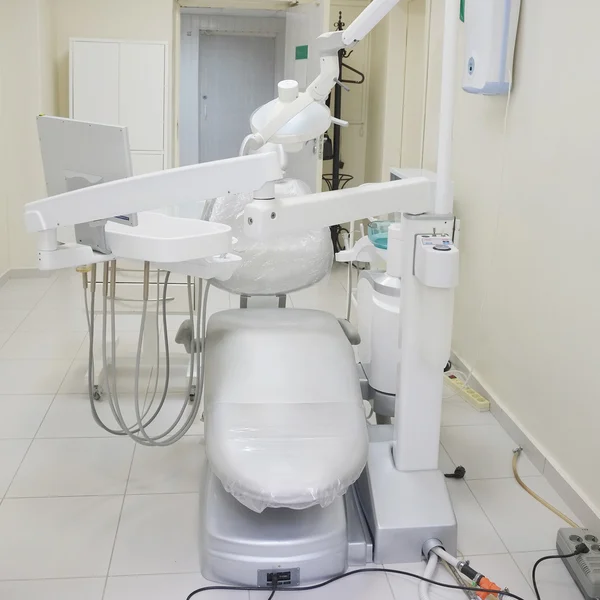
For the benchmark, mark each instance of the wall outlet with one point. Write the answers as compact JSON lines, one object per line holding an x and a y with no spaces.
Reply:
{"x":476,"y":400}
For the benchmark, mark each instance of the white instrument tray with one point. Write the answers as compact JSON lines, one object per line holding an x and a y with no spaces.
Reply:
{"x":161,"y":238}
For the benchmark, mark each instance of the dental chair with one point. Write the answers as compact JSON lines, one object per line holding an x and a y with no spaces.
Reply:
{"x":298,"y":487}
{"x":286,"y":436}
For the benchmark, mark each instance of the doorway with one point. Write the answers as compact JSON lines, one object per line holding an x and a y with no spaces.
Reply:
{"x":236,"y":76}
{"x":289,"y":28}
{"x":230,"y":65}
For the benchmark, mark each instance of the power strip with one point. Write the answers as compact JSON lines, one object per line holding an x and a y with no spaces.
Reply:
{"x":477,"y":401}
{"x":584,"y":568}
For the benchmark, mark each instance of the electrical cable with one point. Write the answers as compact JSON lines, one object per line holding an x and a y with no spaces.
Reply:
{"x":316,"y":586}
{"x":459,"y":580}
{"x":516,"y":454}
{"x":581,"y":549}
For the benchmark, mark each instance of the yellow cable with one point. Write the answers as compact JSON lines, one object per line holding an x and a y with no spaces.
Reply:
{"x":516,"y":455}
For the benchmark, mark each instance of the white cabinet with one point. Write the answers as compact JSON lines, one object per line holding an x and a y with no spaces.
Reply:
{"x":124,"y":83}
{"x":142,"y":163}
{"x":95,"y":71}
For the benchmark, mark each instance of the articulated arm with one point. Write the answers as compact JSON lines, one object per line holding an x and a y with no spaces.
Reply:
{"x":265,"y":218}
{"x":153,"y":191}
{"x":157,"y":237}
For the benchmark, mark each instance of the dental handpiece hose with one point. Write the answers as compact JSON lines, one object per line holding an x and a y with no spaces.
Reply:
{"x":465,"y":568}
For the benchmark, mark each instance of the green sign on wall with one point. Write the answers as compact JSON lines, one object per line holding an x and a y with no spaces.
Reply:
{"x":301,"y":52}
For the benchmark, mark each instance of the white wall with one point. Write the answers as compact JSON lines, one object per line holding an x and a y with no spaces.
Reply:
{"x":387,"y":94}
{"x":536,"y":181}
{"x":37,"y":32}
{"x":26,"y":89}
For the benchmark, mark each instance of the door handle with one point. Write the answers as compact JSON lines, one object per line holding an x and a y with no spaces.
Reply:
{"x":205,"y":98}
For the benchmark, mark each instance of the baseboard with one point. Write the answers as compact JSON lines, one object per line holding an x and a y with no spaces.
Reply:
{"x":4,"y":278}
{"x":575,"y":499}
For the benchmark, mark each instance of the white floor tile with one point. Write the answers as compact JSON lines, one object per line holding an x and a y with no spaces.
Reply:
{"x":53,"y":589}
{"x":55,"y":319}
{"x":74,"y":467}
{"x":339,"y":273}
{"x":28,"y":285}
{"x":553,"y":579}
{"x":19,"y":299}
{"x":123,"y":323}
{"x":70,"y":416}
{"x":407,"y":588}
{"x":504,"y":572}
{"x":328,"y":296}
{"x":66,"y":292}
{"x":57,"y":537}
{"x":11,"y":318}
{"x":11,"y":455}
{"x":355,"y":587}
{"x":60,"y":298}
{"x":159,"y":533}
{"x":4,"y":337}
{"x":455,"y":411}
{"x":173,"y":469}
{"x":445,"y":462}
{"x":163,"y":587}
{"x":21,"y":376}
{"x":476,"y":535}
{"x":76,"y":379}
{"x":485,"y":451}
{"x":21,"y":415}
{"x":127,"y":342}
{"x":523,"y":523}
{"x":169,"y":414}
{"x":42,"y":344}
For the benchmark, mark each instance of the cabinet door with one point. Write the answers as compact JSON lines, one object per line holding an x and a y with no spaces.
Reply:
{"x":142,"y":94}
{"x":95,"y":82}
{"x":146,"y":163}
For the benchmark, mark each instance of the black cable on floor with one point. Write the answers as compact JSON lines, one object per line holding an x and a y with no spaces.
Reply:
{"x":554,"y":556}
{"x":348,"y":574}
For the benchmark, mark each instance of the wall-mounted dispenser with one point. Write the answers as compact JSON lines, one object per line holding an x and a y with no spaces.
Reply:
{"x":491,"y":35}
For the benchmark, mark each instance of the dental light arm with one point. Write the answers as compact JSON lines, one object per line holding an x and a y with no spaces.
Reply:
{"x":329,"y":44}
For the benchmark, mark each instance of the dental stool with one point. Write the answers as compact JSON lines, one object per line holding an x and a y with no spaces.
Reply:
{"x":285,"y":436}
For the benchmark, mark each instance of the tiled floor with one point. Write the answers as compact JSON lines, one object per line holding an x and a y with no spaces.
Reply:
{"x":86,"y":516}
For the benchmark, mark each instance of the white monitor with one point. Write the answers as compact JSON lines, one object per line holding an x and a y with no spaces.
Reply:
{"x":77,"y":154}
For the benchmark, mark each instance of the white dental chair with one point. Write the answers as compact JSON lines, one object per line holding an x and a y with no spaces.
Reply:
{"x":286,"y":436}
{"x":298,"y":487}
